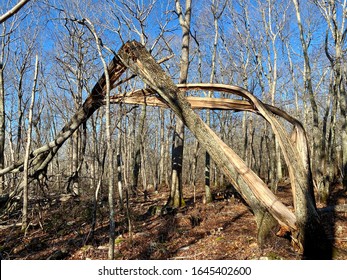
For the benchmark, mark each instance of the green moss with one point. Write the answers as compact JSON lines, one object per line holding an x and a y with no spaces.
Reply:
{"x":273,"y":256}
{"x":86,"y":248}
{"x":119,"y":240}
{"x":220,"y":238}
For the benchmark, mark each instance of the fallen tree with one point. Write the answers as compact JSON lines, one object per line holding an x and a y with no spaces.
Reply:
{"x":294,"y":147}
{"x":304,"y":224}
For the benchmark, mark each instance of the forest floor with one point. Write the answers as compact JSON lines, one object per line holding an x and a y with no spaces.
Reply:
{"x":223,"y":229}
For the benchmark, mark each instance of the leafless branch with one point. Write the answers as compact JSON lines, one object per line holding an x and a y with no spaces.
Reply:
{"x":13,"y":11}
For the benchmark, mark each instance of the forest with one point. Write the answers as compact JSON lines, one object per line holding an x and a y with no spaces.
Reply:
{"x":173,"y":129}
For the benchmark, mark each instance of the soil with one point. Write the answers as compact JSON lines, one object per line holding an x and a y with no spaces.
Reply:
{"x":223,"y":229}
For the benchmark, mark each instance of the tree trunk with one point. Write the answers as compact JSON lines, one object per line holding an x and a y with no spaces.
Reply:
{"x":20,"y":117}
{"x":340,"y":90}
{"x":144,"y":168}
{"x":332,"y":154}
{"x":27,"y":150}
{"x":176,"y":193}
{"x":138,"y":147}
{"x":119,"y":169}
{"x":162,"y":148}
{"x":110,"y":163}
{"x":309,"y":89}
{"x":195,"y":167}
{"x":74,"y":162}
{"x":2,"y":126}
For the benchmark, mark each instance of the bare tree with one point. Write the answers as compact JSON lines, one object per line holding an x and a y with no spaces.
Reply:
{"x":74,"y":63}
{"x":108,"y":141}
{"x":176,"y":193}
{"x":335,"y":15}
{"x":217,"y":12}
{"x":162,"y":148}
{"x":2,"y":115}
{"x":5,"y":41}
{"x":27,"y":150}
{"x":309,"y":87}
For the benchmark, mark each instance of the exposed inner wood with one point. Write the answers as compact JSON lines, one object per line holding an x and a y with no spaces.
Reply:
{"x":250,"y":186}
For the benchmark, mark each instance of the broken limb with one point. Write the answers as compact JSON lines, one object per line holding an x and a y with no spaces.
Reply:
{"x":250,"y":186}
{"x":305,"y":223}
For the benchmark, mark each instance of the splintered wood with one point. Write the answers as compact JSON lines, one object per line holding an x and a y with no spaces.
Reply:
{"x":250,"y":186}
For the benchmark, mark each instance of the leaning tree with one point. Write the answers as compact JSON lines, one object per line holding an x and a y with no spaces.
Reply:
{"x":303,"y":226}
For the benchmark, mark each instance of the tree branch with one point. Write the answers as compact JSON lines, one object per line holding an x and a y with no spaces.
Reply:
{"x":13,"y":11}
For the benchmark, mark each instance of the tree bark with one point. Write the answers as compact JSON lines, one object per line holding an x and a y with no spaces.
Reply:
{"x":162,"y":148}
{"x":2,"y":126}
{"x":309,"y":89}
{"x":27,"y":150}
{"x":138,"y":148}
{"x":176,"y":193}
{"x":119,"y":169}
{"x":110,"y":163}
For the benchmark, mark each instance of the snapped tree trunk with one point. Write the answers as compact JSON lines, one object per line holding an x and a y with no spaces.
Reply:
{"x":305,"y":225}
{"x":142,"y":63}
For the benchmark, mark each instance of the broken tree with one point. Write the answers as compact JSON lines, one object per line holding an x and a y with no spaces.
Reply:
{"x":304,"y":225}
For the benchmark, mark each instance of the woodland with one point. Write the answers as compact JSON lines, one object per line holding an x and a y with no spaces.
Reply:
{"x":173,"y":129}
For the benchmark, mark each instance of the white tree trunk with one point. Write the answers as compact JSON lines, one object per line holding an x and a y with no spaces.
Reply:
{"x":27,"y":150}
